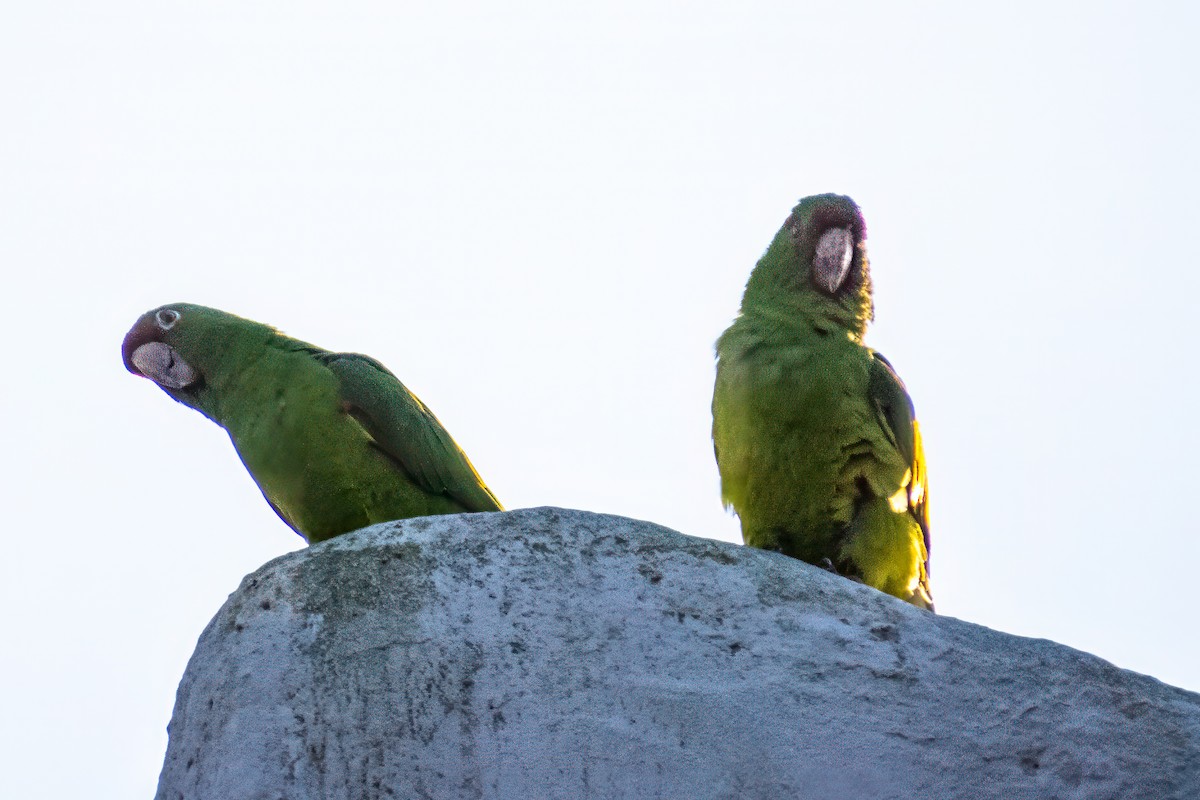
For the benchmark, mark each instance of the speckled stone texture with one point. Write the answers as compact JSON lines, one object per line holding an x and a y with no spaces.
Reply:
{"x":549,"y":653}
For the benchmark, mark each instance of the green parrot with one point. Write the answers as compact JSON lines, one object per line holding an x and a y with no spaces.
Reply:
{"x":334,"y":441}
{"x":816,"y":441}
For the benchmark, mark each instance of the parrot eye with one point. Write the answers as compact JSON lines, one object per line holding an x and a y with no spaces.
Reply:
{"x":166,"y":318}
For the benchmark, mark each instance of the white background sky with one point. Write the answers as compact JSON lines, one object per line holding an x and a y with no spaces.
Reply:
{"x":541,"y":219}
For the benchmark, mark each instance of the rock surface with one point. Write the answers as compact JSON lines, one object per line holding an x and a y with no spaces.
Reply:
{"x":548,"y":653}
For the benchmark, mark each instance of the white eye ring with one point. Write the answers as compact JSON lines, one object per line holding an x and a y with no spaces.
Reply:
{"x":166,"y":318}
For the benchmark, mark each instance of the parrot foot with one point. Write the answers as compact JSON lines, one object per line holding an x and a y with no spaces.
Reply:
{"x":827,"y":565}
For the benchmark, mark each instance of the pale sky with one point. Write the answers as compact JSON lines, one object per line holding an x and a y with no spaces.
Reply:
{"x":541,"y":218}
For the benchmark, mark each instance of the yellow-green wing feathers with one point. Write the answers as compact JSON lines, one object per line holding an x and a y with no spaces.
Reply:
{"x":402,"y":427}
{"x":898,"y":419}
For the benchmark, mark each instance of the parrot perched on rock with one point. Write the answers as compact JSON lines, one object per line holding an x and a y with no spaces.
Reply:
{"x":816,"y":441}
{"x":334,"y":440}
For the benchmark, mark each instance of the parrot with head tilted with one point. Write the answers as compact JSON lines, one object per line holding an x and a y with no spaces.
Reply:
{"x":817,"y":445}
{"x":334,"y":440}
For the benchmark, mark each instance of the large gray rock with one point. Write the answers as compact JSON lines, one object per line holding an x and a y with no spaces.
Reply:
{"x":560,"y":654}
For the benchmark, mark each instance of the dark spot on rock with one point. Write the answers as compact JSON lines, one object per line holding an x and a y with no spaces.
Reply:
{"x":886,"y":633}
{"x":1030,"y":760}
{"x":720,"y":556}
{"x":892,"y":675}
{"x":734,"y":647}
{"x":265,"y":605}
{"x":649,"y":573}
{"x":1135,"y":709}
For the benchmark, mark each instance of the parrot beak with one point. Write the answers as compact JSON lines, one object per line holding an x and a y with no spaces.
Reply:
{"x":831,"y":263}
{"x":155,"y":360}
{"x":160,"y":363}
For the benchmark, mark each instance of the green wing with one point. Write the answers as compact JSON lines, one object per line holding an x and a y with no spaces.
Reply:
{"x":896,"y":416}
{"x":406,"y":430}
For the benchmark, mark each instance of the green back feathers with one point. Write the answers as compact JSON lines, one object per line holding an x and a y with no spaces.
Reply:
{"x":401,"y":426}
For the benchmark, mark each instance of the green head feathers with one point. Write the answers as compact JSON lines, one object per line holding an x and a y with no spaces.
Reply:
{"x":817,"y":265}
{"x":219,"y":346}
